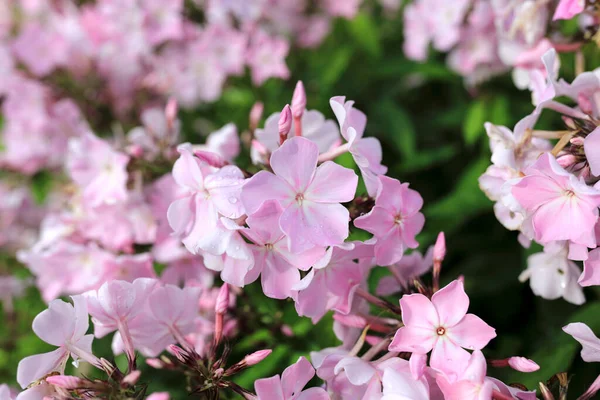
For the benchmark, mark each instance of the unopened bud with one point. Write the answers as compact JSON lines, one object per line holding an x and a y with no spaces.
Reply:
{"x":569,"y":122}
{"x":222,"y":302}
{"x":66,"y":381}
{"x":577,"y":141}
{"x":584,"y":103}
{"x":299,"y":100}
{"x":177,"y":351}
{"x":522,"y":364}
{"x":287,"y":331}
{"x":171,"y":112}
{"x":107,"y":366}
{"x":439,"y":249}
{"x":285,"y":123}
{"x":155,"y":363}
{"x":256,"y":114}
{"x":131,"y":378}
{"x":159,"y":396}
{"x":566,"y":160}
{"x":256,"y":357}
{"x":135,"y":150}
{"x":545,"y":392}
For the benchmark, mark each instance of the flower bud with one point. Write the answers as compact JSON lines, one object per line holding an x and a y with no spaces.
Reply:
{"x":522,"y":364}
{"x":159,"y":396}
{"x":577,"y":141}
{"x":131,"y":378}
{"x":256,"y":357}
{"x":545,"y":392}
{"x":439,"y":249}
{"x":299,"y":100}
{"x":256,"y":114}
{"x":222,"y":302}
{"x":287,"y":331}
{"x":177,"y":351}
{"x":66,"y":381}
{"x":171,"y":112}
{"x":155,"y":363}
{"x":135,"y":151}
{"x":285,"y":123}
{"x":566,"y":160}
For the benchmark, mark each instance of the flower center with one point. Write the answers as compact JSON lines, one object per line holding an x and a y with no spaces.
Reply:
{"x":398,"y":219}
{"x":299,"y":198}
{"x":441,"y":331}
{"x":269,"y":246}
{"x":569,"y":193}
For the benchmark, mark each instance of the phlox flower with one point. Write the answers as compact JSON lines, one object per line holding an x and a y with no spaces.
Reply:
{"x":225,"y":142}
{"x":266,"y":57}
{"x":63,"y":325}
{"x":558,"y":205}
{"x":98,"y":169}
{"x":552,"y":275}
{"x":394,"y":221}
{"x":310,"y":196}
{"x":278,"y":267}
{"x":567,"y":9}
{"x":441,"y":325}
{"x":367,"y":152}
{"x":470,"y":383}
{"x":156,"y":136}
{"x":289,"y":386}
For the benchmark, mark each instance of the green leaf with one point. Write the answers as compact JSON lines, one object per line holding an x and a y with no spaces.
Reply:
{"x":474,"y":120}
{"x":41,"y":183}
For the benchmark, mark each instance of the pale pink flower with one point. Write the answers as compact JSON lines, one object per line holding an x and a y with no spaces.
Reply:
{"x":590,"y":342}
{"x":559,"y":206}
{"x":289,"y":386}
{"x":394,"y":221}
{"x":98,"y":169}
{"x":323,"y":132}
{"x":163,"y":20}
{"x":552,"y":275}
{"x":278,"y":267}
{"x":310,"y":196}
{"x":40,"y":48}
{"x":343,"y":8}
{"x":63,"y":325}
{"x":266,"y":57}
{"x":567,"y":9}
{"x":398,"y":385}
{"x":157,"y":136}
{"x":367,"y":152}
{"x":442,"y":325}
{"x":225,"y":142}
{"x":130,"y":267}
{"x":468,"y":380}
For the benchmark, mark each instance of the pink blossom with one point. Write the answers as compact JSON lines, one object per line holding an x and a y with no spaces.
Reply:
{"x":394,"y":221}
{"x":157,"y":136}
{"x":552,"y":275}
{"x":225,"y":142}
{"x":278,"y":267}
{"x":309,"y":195}
{"x":130,"y":267}
{"x":470,"y":383}
{"x":324,"y":133}
{"x":266,"y":57}
{"x":367,"y":152}
{"x":343,"y":8}
{"x":289,"y":386}
{"x":40,"y":49}
{"x":559,"y":206}
{"x":442,"y":325}
{"x":584,"y":335}
{"x":567,"y":9}
{"x":401,"y":385}
{"x":98,"y":169}
{"x":164,"y":20}
{"x":63,"y":325}
{"x":522,"y":364}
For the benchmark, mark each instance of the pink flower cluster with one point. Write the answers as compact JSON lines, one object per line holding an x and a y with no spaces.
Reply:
{"x":485,"y":38}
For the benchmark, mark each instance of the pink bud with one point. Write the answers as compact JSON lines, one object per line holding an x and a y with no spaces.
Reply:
{"x":285,"y":123}
{"x":256,"y":114}
{"x":177,"y":351}
{"x":159,"y":396}
{"x":439,"y":249}
{"x":222,"y":302}
{"x":155,"y":363}
{"x":566,"y":160}
{"x":131,"y":378}
{"x":577,"y":141}
{"x":171,"y":111}
{"x":298,"y":100}
{"x":373,"y":340}
{"x":287,"y":331}
{"x":66,"y":381}
{"x":522,"y":364}
{"x":135,"y":150}
{"x":256,"y":357}
{"x":584,"y":103}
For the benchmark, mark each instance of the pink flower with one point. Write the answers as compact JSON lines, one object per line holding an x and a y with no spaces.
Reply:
{"x":289,"y":386}
{"x":591,"y":146}
{"x":394,"y":221}
{"x":559,"y":206}
{"x":367,"y":152}
{"x":584,"y":335}
{"x":310,"y":196}
{"x":567,"y":9}
{"x":266,"y":57}
{"x":470,"y":383}
{"x":98,"y":169}
{"x":63,"y":325}
{"x":157,"y":136}
{"x":225,"y":142}
{"x":278,"y":267}
{"x":442,"y":325}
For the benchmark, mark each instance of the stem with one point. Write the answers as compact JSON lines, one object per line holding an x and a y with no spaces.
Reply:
{"x":181,"y":339}
{"x":298,"y":126}
{"x":372,"y":352}
{"x":396,"y":274}
{"x":566,"y":110}
{"x":84,"y":355}
{"x":359,"y":343}
{"x":437,"y":268}
{"x":128,"y":344}
{"x":564,"y":140}
{"x":331,"y":154}
{"x":549,"y":134}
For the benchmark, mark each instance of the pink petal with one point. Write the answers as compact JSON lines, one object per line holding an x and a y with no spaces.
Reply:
{"x":413,"y":339}
{"x":186,"y":170}
{"x":332,"y":184}
{"x":269,"y":388}
{"x":419,"y":311}
{"x":296,"y":376}
{"x":388,"y":194}
{"x":584,"y":335}
{"x":591,"y":269}
{"x":591,"y":146}
{"x":56,"y":324}
{"x":448,"y":357}
{"x":180,"y":215}
{"x":534,"y":190}
{"x":358,"y":371}
{"x":389,"y":248}
{"x":265,"y":186}
{"x":379,"y":221}
{"x":295,"y":161}
{"x":471,"y":333}
{"x":451,"y":303}
{"x":314,"y":393}
{"x":278,"y":277}
{"x":35,"y":367}
{"x":418,"y":363}
{"x":567,"y":9}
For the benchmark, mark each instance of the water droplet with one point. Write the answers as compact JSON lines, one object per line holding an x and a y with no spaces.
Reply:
{"x":233,"y":200}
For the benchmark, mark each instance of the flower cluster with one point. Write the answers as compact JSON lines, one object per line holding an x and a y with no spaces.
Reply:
{"x":486,"y":38}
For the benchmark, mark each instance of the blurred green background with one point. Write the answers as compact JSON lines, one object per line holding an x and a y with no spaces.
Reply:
{"x":431,"y":128}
